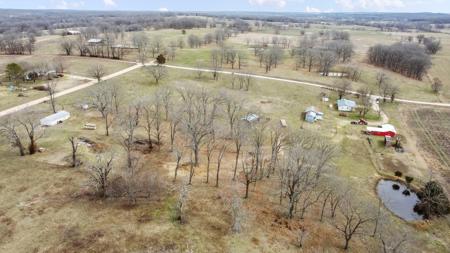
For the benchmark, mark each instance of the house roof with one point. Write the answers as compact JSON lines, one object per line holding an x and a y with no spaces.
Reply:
{"x":346,"y":102}
{"x":95,"y":40}
{"x":57,"y":116}
{"x":251,"y":117}
{"x":383,"y":128}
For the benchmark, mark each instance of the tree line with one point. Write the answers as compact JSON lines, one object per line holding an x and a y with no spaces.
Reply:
{"x":408,"y":59}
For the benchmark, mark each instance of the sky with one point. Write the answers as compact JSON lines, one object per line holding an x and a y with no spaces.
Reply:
{"x":441,"y":6}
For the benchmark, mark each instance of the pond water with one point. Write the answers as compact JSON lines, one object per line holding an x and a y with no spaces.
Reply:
{"x":400,"y":204}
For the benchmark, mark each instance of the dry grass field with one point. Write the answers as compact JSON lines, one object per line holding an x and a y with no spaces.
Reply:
{"x":47,"y":206}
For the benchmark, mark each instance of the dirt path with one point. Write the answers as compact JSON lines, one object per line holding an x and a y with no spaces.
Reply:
{"x":68,"y":91}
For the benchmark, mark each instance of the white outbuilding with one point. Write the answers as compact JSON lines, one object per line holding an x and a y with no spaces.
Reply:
{"x":55,"y":119}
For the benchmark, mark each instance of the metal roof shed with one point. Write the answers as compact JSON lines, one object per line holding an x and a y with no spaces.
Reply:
{"x":345,"y":105}
{"x":55,"y":119}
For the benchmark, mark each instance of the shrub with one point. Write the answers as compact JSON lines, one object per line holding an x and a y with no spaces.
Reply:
{"x":398,"y":173}
{"x":433,"y":201}
{"x":409,"y":179}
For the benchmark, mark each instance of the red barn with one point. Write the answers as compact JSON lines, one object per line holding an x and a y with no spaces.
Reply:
{"x":384,"y":130}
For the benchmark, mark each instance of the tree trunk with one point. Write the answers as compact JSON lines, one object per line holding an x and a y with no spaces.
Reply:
{"x":32,"y":147}
{"x":347,"y":240}
{"x":207,"y":169}
{"x":247,"y":185}
{"x":236,"y":164}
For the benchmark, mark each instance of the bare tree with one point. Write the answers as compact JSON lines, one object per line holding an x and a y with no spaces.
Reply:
{"x":165,"y":94}
{"x":393,"y":92}
{"x":326,"y":60}
{"x":129,"y":123}
{"x":437,"y":85}
{"x":178,"y":153}
{"x":102,"y":100}
{"x":9,"y":129}
{"x":51,"y":90}
{"x":220,"y":155}
{"x":210,"y":147}
{"x":99,"y":173}
{"x":174,"y":121}
{"x":238,"y":140}
{"x":59,"y":64}
{"x":309,"y":197}
{"x":257,"y":137}
{"x":366,"y":101}
{"x":385,"y":89}
{"x":158,"y":72}
{"x":327,"y":196}
{"x":143,"y":57}
{"x":148,"y":124}
{"x":33,"y":130}
{"x":276,"y":144}
{"x":74,"y":144}
{"x":302,"y":235}
{"x":233,"y":109}
{"x":250,"y":173}
{"x":181,"y":206}
{"x":303,"y":164}
{"x":116,"y":95}
{"x":352,"y":220}
{"x":381,"y":78}
{"x":391,"y":239}
{"x":199,"y":113}
{"x":216,"y":63}
{"x":98,"y":71}
{"x":141,"y":42}
{"x":343,"y":87}
{"x":67,"y":46}
{"x":156,"y":113}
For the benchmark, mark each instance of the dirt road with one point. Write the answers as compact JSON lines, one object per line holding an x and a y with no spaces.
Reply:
{"x":68,"y":91}
{"x":124,"y":71}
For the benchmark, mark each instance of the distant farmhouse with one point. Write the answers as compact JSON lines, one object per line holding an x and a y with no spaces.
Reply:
{"x":73,"y":32}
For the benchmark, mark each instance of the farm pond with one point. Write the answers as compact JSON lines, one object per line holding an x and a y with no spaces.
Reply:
{"x":398,"y":199}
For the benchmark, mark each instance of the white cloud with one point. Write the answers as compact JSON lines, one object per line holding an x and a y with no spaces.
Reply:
{"x":381,"y":4}
{"x":278,"y":3}
{"x":69,"y":4}
{"x":163,"y":9}
{"x":109,"y":3}
{"x":374,"y":5}
{"x":345,"y":4}
{"x":312,"y":10}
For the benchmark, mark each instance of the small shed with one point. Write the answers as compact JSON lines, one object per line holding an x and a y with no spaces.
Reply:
{"x":90,"y":126}
{"x":312,"y":114}
{"x":251,"y":118}
{"x":95,"y":41}
{"x":73,"y":32}
{"x":55,"y":119}
{"x":345,"y":105}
